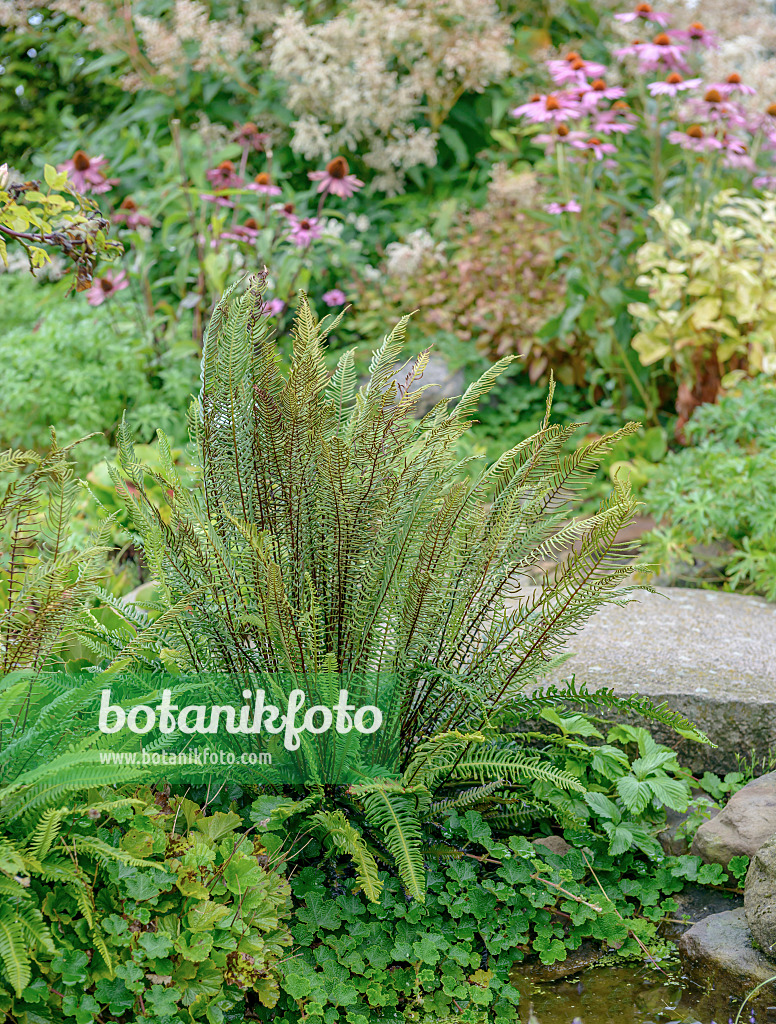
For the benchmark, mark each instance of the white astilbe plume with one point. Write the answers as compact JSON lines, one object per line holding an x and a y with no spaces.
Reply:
{"x":364,"y":78}
{"x":404,"y":259}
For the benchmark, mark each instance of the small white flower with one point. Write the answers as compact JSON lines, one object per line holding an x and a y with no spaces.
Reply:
{"x":333,"y":227}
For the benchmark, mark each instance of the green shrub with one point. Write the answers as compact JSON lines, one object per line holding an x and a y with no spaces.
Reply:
{"x":711,"y":315}
{"x":48,"y":215}
{"x":493,"y":288}
{"x":81,"y":370}
{"x":714,"y":499}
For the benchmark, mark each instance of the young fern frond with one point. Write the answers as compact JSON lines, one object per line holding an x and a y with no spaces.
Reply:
{"x":472,"y":797}
{"x":509,"y":766}
{"x":46,"y":831}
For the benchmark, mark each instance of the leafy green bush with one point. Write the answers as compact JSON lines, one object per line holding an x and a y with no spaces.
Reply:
{"x":493,"y":288}
{"x":81,"y":371}
{"x":185,"y":921}
{"x":711,"y":314}
{"x":714,"y":499}
{"x":46,"y":82}
{"x":50,"y":214}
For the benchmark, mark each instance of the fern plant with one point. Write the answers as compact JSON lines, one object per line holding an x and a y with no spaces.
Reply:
{"x":45,"y":582}
{"x":45,"y":579}
{"x":330,"y":527}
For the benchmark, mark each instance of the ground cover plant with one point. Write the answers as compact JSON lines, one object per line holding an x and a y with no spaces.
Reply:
{"x":714,"y":499}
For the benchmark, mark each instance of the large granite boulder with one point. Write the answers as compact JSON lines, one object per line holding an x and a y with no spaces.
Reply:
{"x":708,"y":654}
{"x":718,"y":954}
{"x":673,"y":838}
{"x":444,"y":383}
{"x":743,"y":825}
{"x":760,"y":897}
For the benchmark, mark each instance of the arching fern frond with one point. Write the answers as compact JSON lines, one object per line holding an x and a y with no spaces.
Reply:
{"x":348,"y":840}
{"x":397,"y":815}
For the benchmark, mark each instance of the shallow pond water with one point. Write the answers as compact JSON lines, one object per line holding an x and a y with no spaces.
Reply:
{"x":634,"y":994}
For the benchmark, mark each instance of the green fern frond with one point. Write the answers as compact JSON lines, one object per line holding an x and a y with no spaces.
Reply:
{"x":13,"y":951}
{"x":432,"y":755}
{"x":510,"y":766}
{"x":46,"y":831}
{"x":396,"y":814}
{"x":441,"y":851}
{"x":34,"y":930}
{"x":468,"y":798}
{"x":347,"y":839}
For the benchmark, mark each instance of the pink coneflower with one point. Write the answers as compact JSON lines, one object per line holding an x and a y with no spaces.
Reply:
{"x":766,"y":182}
{"x":714,"y":107}
{"x":104,"y":287}
{"x":573,"y":70}
{"x":767,"y":122}
{"x":263,"y":183}
{"x":737,"y":153}
{"x":598,"y":90}
{"x":554,"y":107}
{"x":249,"y":137}
{"x":694,"y":138}
{"x":673,"y":85}
{"x":561,"y":134}
{"x":596,"y":146}
{"x":645,"y":13}
{"x":619,"y":119}
{"x":303,"y":230}
{"x":246,"y":232}
{"x":84,"y":173}
{"x":284,"y":209}
{"x":222,"y":177}
{"x":334,"y":297}
{"x":572,"y":206}
{"x":696,"y":33}
{"x":733,"y":84}
{"x":129,"y":214}
{"x":633,"y":49}
{"x":274,"y":307}
{"x":336,"y":179}
{"x":661,"y":51}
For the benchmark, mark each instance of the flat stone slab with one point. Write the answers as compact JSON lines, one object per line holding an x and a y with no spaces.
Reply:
{"x":710,"y":655}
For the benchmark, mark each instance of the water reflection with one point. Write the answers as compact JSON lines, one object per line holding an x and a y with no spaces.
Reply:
{"x":637,"y":994}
